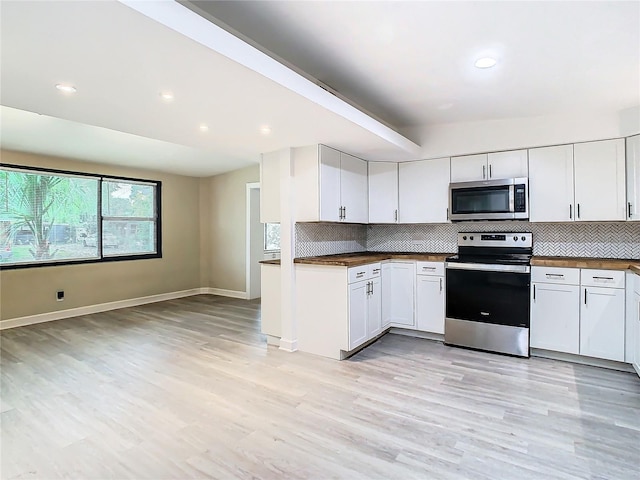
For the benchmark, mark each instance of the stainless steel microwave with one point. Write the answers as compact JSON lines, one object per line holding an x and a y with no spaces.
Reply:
{"x":506,"y":199}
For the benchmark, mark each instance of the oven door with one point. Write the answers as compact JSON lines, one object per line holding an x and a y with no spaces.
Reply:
{"x":493,"y":294}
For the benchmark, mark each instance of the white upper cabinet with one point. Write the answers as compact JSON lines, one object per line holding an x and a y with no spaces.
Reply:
{"x":330,"y":205}
{"x":270,"y":187}
{"x":492,"y":166}
{"x":423,"y":191}
{"x":512,"y":164}
{"x":633,"y":178}
{"x":469,"y":168}
{"x":599,"y":170}
{"x":353,"y":189}
{"x":551,"y":184}
{"x":383,"y":192}
{"x":330,"y":186}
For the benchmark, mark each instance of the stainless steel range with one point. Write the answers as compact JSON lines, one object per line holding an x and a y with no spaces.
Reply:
{"x":487,"y":295}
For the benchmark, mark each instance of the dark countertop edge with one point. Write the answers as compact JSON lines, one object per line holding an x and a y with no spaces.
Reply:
{"x":361,"y":258}
{"x":584,"y":262}
{"x":271,"y":262}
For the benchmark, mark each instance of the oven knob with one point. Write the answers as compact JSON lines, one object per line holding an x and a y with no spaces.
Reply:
{"x":523,"y":239}
{"x":515,"y":239}
{"x":471,"y":237}
{"x":464,"y":238}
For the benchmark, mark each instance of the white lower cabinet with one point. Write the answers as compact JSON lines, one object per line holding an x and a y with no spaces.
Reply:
{"x":602,"y":312}
{"x":636,"y":319}
{"x":358,"y":303}
{"x":398,"y":279}
{"x":364,"y":304}
{"x":430,"y":297}
{"x":578,"y":311}
{"x":555,"y":317}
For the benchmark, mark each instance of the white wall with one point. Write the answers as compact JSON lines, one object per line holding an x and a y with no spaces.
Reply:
{"x":507,"y":134}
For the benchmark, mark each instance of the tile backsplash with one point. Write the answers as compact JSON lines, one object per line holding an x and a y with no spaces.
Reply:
{"x":609,"y":240}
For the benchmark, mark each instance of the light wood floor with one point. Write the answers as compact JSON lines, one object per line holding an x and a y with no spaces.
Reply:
{"x":188,"y":389}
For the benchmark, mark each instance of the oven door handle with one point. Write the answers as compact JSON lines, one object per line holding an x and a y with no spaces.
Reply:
{"x":485,"y":267}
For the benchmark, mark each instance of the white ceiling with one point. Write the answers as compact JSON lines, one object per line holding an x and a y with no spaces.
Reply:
{"x":410,"y":63}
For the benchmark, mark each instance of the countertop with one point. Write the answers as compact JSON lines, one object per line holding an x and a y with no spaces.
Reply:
{"x":362,"y":258}
{"x":275,"y":261}
{"x":599,"y":263}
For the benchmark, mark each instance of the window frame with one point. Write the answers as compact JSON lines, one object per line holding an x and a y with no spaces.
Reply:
{"x":100,"y":218}
{"x":264,"y":238}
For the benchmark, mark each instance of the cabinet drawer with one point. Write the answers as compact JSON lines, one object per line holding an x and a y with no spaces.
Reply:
{"x":362,"y":272}
{"x":566,"y":276}
{"x":602,"y":278}
{"x":430,"y":268}
{"x":375,"y":270}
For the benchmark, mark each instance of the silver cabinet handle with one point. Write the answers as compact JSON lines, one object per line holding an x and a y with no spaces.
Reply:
{"x":428,"y":268}
{"x":570,"y":211}
{"x":534,"y":292}
{"x":484,"y":170}
{"x":396,"y":215}
{"x":447,"y":213}
{"x":371,"y":288}
{"x":554,"y":275}
{"x":490,"y":174}
{"x":340,"y":213}
{"x":344,"y":209}
{"x":602,"y":278}
{"x":440,"y":284}
{"x":629,"y":209}
{"x":578,"y":210}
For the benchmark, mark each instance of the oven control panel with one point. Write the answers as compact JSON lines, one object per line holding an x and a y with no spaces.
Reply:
{"x":497,"y":239}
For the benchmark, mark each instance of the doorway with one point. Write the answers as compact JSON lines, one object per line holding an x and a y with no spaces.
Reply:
{"x":254,"y":242}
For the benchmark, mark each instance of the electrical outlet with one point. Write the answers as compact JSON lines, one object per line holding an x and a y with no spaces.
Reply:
{"x":419,"y":244}
{"x":60,"y":295}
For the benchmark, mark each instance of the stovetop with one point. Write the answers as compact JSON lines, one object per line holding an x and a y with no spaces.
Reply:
{"x":501,"y":248}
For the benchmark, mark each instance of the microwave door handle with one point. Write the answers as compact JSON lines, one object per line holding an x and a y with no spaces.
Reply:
{"x":512,"y":202}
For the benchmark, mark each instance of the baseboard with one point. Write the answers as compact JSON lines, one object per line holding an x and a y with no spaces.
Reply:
{"x":288,"y":345}
{"x":583,"y":360}
{"x":101,"y":307}
{"x":225,"y":293}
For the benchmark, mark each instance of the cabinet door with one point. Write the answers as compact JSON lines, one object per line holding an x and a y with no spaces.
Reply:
{"x":551,"y":184}
{"x":430,"y":304}
{"x":469,"y":168}
{"x":555,"y":317}
{"x":329,"y":184}
{"x":602,"y":323}
{"x":353,"y":189}
{"x":636,"y":359}
{"x":374,"y":308}
{"x":511,"y":164}
{"x":633,"y":178}
{"x":357,"y":314}
{"x":383,"y":192}
{"x":397,"y":294}
{"x":600,"y":180}
{"x":423,"y":191}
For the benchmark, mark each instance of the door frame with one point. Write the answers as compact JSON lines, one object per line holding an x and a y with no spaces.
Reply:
{"x":250,"y":187}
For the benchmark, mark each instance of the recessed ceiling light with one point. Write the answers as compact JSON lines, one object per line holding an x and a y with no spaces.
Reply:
{"x":203,"y":127}
{"x":265,"y":130}
{"x":66,"y":88}
{"x":167,"y":96}
{"x":445,"y":106}
{"x":486,"y":62}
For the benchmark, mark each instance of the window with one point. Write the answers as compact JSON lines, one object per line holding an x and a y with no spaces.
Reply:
{"x":271,"y":237}
{"x":49,"y":217}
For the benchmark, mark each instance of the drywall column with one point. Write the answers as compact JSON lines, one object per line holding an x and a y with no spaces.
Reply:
{"x":289,"y":338}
